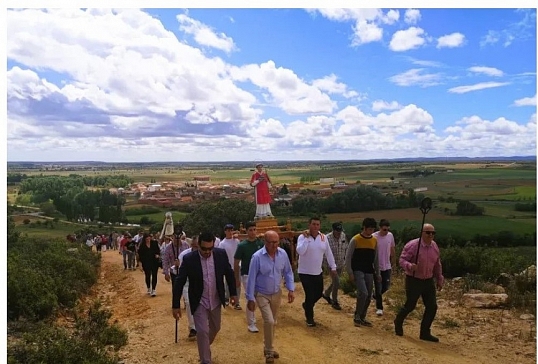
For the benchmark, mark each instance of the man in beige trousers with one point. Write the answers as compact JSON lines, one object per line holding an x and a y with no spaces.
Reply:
{"x":267,"y":267}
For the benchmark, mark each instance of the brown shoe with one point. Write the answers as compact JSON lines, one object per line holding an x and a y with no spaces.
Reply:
{"x":269,"y":359}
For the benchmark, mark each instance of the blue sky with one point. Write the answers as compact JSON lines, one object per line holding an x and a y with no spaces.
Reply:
{"x":270,"y":84}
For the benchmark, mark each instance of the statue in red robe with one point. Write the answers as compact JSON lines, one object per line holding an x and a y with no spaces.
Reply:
{"x":262,"y":183}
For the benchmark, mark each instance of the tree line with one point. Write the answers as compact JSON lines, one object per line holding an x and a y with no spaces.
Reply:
{"x":89,"y":181}
{"x":357,"y":199}
{"x":71,"y":198}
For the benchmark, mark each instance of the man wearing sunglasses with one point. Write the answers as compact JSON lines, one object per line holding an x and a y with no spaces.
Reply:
{"x":386,"y":254}
{"x":205,"y":269}
{"x":423,"y":275}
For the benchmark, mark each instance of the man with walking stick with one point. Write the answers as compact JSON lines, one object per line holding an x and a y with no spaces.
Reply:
{"x":205,"y":269}
{"x":420,"y":259}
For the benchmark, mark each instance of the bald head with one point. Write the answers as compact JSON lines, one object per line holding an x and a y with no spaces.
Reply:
{"x":271,"y":241}
{"x":428,"y":233}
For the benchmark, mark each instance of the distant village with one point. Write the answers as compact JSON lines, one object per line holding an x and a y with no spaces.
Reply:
{"x":169,"y":194}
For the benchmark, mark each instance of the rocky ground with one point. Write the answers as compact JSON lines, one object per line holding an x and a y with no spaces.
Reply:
{"x":468,"y":335}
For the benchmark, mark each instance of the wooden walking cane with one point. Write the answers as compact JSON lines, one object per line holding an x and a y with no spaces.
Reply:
{"x":176,"y":329}
{"x":425,"y":207}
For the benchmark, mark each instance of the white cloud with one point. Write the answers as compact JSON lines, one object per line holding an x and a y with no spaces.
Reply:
{"x":204,"y":35}
{"x":476,"y":87}
{"x":523,"y":29}
{"x":348,"y":14}
{"x":416,"y":77}
{"x":489,"y":71}
{"x":412,"y":16}
{"x":474,"y":126}
{"x":367,"y":22}
{"x":426,"y":63}
{"x":451,"y":40}
{"x":404,"y":40}
{"x":287,"y":90}
{"x":408,"y":119}
{"x":141,"y":92}
{"x":331,"y":85}
{"x":391,"y":17}
{"x":526,"y":101}
{"x":491,"y":38}
{"x":366,"y":32}
{"x":379,"y":105}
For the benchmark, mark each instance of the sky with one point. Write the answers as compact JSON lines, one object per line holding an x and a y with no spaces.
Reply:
{"x":143,"y":85}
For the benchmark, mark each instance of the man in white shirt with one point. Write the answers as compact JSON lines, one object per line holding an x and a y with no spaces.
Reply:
{"x":194,"y":247}
{"x":311,"y":248}
{"x":230,"y":243}
{"x":386,"y":255}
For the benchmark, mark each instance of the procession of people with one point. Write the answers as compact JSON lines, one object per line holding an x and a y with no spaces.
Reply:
{"x":255,"y":271}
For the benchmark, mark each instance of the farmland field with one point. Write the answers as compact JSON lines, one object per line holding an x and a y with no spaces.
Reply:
{"x":494,"y":186}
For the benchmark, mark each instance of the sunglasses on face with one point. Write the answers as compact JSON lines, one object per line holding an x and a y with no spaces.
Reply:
{"x":204,"y":249}
{"x":430,"y":233}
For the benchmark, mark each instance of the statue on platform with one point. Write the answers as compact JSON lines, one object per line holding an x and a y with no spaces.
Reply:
{"x":262,"y":183}
{"x":168,"y":226}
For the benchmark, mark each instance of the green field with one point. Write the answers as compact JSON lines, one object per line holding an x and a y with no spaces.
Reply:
{"x":494,"y":186}
{"x":158,"y":217}
{"x":472,"y":225}
{"x":60,"y":231}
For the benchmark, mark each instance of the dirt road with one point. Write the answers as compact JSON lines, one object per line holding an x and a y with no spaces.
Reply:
{"x":481,"y":336}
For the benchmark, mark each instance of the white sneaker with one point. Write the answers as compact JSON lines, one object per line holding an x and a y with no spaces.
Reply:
{"x":149,"y":290}
{"x":153,"y":293}
{"x":379,"y":312}
{"x":253,"y":328}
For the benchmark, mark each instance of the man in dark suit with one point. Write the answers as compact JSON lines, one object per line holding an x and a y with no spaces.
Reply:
{"x":205,"y":269}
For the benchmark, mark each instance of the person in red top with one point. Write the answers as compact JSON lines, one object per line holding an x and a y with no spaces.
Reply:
{"x":261,"y":182}
{"x":127,"y":259}
{"x":423,"y":275}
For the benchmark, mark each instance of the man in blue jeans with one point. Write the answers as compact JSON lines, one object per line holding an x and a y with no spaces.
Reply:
{"x":362,"y":264}
{"x":386,"y":254}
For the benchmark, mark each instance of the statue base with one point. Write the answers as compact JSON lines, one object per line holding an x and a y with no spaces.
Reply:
{"x":264,"y":224}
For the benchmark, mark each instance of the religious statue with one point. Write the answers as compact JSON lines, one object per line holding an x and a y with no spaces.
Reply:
{"x":168,"y":226}
{"x":261,"y":182}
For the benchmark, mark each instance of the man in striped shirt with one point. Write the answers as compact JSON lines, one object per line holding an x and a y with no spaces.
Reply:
{"x":338,"y":243}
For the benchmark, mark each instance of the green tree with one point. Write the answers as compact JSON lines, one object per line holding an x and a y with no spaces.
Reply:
{"x":467,"y":208}
{"x":212,"y":216}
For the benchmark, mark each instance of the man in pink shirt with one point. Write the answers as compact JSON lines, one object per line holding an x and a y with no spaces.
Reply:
{"x":423,"y":275}
{"x":206,"y":270}
{"x":386,"y":255}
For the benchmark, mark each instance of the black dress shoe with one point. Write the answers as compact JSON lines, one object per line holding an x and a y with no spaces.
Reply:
{"x":429,"y":337}
{"x":398,"y":328}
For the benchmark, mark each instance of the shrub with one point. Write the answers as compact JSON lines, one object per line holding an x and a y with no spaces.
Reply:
{"x":347,"y":284}
{"x":89,"y":342}
{"x":45,"y":276}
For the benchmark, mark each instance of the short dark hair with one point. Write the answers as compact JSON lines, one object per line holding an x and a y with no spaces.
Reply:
{"x":250,"y":224}
{"x":384,"y":222}
{"x":369,"y":222}
{"x":146,"y":235}
{"x":314,"y":218}
{"x":206,"y":236}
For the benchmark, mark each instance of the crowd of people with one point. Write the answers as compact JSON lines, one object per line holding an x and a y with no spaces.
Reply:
{"x":212,"y":274}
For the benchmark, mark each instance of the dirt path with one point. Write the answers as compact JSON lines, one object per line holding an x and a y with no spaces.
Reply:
{"x":483,"y":338}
